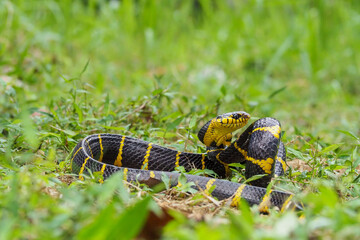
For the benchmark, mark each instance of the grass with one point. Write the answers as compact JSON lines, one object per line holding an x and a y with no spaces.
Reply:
{"x":157,"y":70}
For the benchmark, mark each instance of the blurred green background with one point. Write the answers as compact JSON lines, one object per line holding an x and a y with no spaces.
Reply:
{"x":230,"y":52}
{"x":146,"y":68}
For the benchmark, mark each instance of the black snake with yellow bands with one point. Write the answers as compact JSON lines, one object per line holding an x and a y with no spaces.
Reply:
{"x":258,"y":147}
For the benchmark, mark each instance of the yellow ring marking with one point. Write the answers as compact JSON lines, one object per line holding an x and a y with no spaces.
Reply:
{"x":146,"y":157}
{"x":119,"y":156}
{"x":214,"y":150}
{"x":265,"y":164}
{"x":274,"y":130}
{"x":283,"y":164}
{"x":89,"y":148}
{"x":74,"y":156}
{"x":177,"y":159}
{"x":226,"y":166}
{"x":236,"y":199}
{"x":285,"y":204}
{"x":242,"y":151}
{"x":101,"y":149}
{"x":208,"y":186}
{"x":264,"y":205}
{"x":102,"y":172}
{"x":82,"y":169}
{"x":152,"y":174}
{"x":203,"y":161}
{"x":125,"y":174}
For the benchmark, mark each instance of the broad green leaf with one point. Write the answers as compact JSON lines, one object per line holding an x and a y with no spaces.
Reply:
{"x":296,"y":153}
{"x":100,"y":226}
{"x":182,"y":179}
{"x":109,"y":224}
{"x":193,"y":120}
{"x":330,"y":148}
{"x":69,"y":132}
{"x":175,"y":123}
{"x":171,"y":115}
{"x":166,"y":180}
{"x":242,"y":224}
{"x":255,"y":177}
{"x":128,"y":225}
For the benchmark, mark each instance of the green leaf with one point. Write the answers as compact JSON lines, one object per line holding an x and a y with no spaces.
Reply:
{"x":171,"y":115}
{"x":85,"y":67}
{"x":157,"y":91}
{"x":175,"y":123}
{"x":273,"y":94}
{"x":79,"y":112}
{"x":180,"y":169}
{"x":106,"y":104}
{"x":166,"y":180}
{"x":130,"y":222}
{"x":354,"y":158}
{"x":223,"y":90}
{"x":69,"y":132}
{"x":330,"y":148}
{"x":99,"y":228}
{"x":349,"y":134}
{"x":108,"y":224}
{"x":184,"y":185}
{"x":296,"y":153}
{"x":193,"y":120}
{"x":255,"y":177}
{"x":242,"y":224}
{"x":7,"y":228}
{"x":182,"y":179}
{"x":29,"y":129}
{"x":238,"y":165}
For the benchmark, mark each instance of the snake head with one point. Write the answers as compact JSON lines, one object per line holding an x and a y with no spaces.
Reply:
{"x":218,"y":131}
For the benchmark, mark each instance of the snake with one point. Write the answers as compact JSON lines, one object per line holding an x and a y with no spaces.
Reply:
{"x":259,"y":148}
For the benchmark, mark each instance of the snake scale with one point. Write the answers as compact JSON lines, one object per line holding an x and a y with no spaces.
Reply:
{"x":259,"y":148}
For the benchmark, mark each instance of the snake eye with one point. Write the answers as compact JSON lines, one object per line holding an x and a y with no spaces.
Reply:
{"x":236,"y":116}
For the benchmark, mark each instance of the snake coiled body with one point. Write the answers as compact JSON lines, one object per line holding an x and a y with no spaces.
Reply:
{"x":259,"y":148}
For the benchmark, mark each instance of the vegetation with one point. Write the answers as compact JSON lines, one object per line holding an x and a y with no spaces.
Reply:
{"x":157,"y":70}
